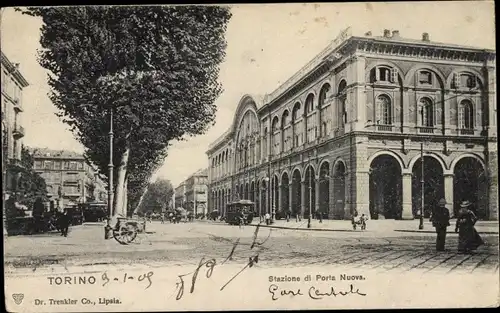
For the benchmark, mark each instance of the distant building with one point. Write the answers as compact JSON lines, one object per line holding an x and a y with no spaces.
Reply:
{"x":13,"y":83}
{"x":180,"y":195}
{"x":70,"y":179}
{"x":191,"y":194}
{"x":196,"y":191}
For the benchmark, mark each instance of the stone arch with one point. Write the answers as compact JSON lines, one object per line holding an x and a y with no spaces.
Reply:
{"x":322,"y":90}
{"x":325,"y":160}
{"x":467,"y":155}
{"x":310,"y":95}
{"x":305,"y":170}
{"x":297,"y":168}
{"x":296,"y":107}
{"x":411,"y":73}
{"x":284,"y":116}
{"x":398,"y":158}
{"x":342,"y":83}
{"x":401,"y":73}
{"x":282,"y":174}
{"x":428,"y":154}
{"x":335,"y":163}
{"x":479,"y":76}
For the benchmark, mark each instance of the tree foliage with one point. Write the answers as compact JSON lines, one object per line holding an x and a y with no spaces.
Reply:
{"x":157,"y":196}
{"x":156,"y":67}
{"x":31,"y":184}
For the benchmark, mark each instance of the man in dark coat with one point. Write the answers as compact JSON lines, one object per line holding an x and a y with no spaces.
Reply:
{"x":440,"y":220}
{"x":64,"y":222}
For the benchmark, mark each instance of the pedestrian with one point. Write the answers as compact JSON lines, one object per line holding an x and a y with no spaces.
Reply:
{"x":288,"y":215}
{"x":440,"y":219}
{"x":162,"y":216}
{"x":363,"y":220}
{"x":468,"y":238}
{"x":64,"y":221}
{"x":268,"y":218}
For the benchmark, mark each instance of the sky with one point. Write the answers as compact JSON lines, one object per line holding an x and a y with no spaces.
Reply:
{"x":266,"y":45}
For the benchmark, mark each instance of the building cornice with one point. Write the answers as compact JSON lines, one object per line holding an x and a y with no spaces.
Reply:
{"x":14,"y":71}
{"x":424,"y":50}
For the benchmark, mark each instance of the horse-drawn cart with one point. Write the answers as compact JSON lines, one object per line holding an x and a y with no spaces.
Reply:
{"x":126,"y":229}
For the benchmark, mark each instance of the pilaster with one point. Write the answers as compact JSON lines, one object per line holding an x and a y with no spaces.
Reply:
{"x":448,"y":193}
{"x":290,"y":196}
{"x":407,"y":199}
{"x":302,"y":197}
{"x":316,"y":195}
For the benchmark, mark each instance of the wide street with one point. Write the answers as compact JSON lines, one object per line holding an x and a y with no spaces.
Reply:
{"x":385,"y":246}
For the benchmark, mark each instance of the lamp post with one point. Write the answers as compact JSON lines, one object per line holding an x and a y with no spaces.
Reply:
{"x":422,"y":181}
{"x":267,"y":187}
{"x":108,"y":228}
{"x":310,"y":199}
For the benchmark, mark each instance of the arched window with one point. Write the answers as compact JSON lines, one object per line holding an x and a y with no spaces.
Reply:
{"x":323,"y":94}
{"x":309,"y":103}
{"x":427,"y":112}
{"x":296,"y":111}
{"x":466,"y":115}
{"x":285,"y":119}
{"x":275,"y":124}
{"x":384,"y":110}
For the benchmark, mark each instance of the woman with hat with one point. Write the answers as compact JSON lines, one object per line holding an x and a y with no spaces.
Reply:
{"x":468,"y":238}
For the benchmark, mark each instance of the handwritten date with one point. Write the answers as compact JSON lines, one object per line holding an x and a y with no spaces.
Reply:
{"x":126,"y":277}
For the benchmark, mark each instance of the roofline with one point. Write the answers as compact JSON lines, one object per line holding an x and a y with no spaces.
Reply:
{"x":14,"y":70}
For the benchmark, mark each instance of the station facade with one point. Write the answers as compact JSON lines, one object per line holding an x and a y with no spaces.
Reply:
{"x":356,"y":129}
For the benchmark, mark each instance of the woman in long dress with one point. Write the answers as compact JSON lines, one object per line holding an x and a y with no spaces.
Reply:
{"x":468,"y":238}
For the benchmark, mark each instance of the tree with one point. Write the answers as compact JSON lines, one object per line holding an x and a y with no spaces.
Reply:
{"x":157,"y":196}
{"x":30,"y":183}
{"x":155,"y":67}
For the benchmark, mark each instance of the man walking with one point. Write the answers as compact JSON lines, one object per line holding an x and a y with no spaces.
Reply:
{"x":64,"y":222}
{"x":440,"y":220}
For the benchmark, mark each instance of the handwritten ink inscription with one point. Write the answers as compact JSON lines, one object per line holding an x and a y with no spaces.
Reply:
{"x":212,"y":263}
{"x":314,"y":292}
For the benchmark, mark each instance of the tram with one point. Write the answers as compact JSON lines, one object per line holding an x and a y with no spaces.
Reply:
{"x":234,"y":209}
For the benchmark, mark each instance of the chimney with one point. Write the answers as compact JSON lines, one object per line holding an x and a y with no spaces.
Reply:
{"x":369,"y":33}
{"x":395,"y":34}
{"x":387,"y":33}
{"x":425,"y":37}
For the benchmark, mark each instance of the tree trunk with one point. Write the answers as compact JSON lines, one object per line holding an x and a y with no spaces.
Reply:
{"x":125,"y":196}
{"x":120,"y":192}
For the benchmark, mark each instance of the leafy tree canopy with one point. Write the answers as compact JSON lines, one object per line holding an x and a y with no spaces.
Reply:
{"x":156,"y":67}
{"x":157,"y":196}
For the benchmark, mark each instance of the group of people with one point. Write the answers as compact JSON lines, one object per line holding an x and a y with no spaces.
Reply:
{"x":468,"y":238}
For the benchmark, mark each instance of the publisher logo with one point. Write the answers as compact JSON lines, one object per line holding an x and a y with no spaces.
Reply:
{"x":18,"y":297}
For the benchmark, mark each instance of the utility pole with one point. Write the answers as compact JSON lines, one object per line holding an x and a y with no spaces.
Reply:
{"x":108,"y":228}
{"x":422,"y":182}
{"x":310,"y":199}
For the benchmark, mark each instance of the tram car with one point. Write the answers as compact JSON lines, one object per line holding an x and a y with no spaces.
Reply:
{"x":234,"y":209}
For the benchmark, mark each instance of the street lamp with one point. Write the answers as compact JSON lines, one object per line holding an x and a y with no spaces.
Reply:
{"x":310,"y":200}
{"x":265,"y":187}
{"x":422,"y":181}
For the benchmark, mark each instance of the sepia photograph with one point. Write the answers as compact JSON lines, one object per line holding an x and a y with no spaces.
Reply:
{"x":249,"y":156}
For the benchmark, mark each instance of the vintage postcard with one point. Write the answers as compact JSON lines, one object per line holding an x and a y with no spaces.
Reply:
{"x":250,"y":157}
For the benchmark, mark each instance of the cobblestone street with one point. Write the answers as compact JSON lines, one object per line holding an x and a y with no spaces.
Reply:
{"x":181,"y":244}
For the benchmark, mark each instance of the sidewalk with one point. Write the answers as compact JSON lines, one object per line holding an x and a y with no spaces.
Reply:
{"x":483,"y":227}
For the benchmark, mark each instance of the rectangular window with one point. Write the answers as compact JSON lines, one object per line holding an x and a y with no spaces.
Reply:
{"x":72,"y":165}
{"x":49,"y":165}
{"x":38,"y":164}
{"x":80,"y":165}
{"x":425,"y":77}
{"x":57,"y":165}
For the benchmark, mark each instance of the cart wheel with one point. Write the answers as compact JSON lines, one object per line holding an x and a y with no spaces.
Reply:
{"x":125,"y":234}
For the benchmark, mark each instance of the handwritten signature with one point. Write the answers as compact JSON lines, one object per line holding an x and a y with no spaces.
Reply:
{"x":212,"y":263}
{"x":313,"y":292}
